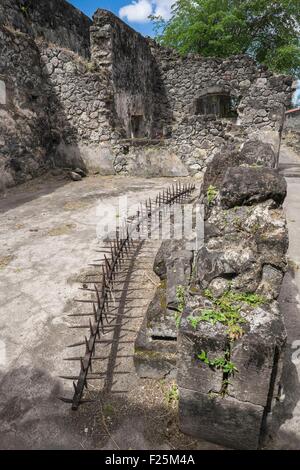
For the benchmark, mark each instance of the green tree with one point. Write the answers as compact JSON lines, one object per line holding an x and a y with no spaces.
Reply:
{"x":266,"y":30}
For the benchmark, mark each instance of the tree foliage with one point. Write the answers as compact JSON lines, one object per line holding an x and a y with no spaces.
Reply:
{"x":266,"y":30}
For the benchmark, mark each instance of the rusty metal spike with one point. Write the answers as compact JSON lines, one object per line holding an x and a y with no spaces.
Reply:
{"x":87,"y":345}
{"x":68,"y":377}
{"x":103,"y":312}
{"x":91,"y":327}
{"x":98,"y":296}
{"x":95,"y":313}
{"x":71,"y":401}
{"x":65,"y":400}
{"x":97,"y":332}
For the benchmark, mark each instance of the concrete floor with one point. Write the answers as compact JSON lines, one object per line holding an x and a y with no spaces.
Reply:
{"x":47,"y":240}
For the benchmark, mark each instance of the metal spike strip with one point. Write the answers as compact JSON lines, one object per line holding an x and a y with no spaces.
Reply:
{"x":100,"y":312}
{"x":110,"y":268}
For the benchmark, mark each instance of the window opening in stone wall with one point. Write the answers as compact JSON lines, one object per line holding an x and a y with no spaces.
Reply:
{"x":217,"y":104}
{"x":137,"y":127}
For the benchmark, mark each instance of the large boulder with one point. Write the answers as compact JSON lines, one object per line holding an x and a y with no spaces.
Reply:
{"x":246,"y":186}
{"x":216,"y":169}
{"x":259,"y":153}
{"x":252,"y":153}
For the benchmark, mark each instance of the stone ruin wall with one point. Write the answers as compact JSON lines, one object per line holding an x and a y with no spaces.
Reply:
{"x":31,"y":107}
{"x":237,"y":271}
{"x":69,"y":105}
{"x":291,"y":131}
{"x":56,"y":21}
{"x":262,"y":99}
{"x":90,"y":100}
{"x":24,"y":121}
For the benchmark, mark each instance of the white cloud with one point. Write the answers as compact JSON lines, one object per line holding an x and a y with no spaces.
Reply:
{"x":138,"y":11}
{"x":163,"y":8}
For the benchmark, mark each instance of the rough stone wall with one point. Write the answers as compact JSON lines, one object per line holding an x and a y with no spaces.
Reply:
{"x":79,"y":110}
{"x":232,"y":336}
{"x":262,"y":99}
{"x":25,"y":139}
{"x":54,"y":20}
{"x":132,"y":68}
{"x":161,"y":88}
{"x":291,"y":132}
{"x":129,"y":106}
{"x":53,"y":103}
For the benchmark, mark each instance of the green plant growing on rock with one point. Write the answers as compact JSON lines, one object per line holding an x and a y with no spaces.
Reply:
{"x":211,"y":194}
{"x":180,"y":295}
{"x":91,"y":67}
{"x":226,"y":310}
{"x":222,"y":363}
{"x":252,"y":299}
{"x":227,"y":315}
{"x":172,"y":395}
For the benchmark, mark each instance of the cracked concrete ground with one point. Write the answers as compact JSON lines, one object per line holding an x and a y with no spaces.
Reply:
{"x":48,"y":238}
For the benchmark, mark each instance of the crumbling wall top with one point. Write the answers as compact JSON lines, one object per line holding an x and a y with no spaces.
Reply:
{"x":55,"y":20}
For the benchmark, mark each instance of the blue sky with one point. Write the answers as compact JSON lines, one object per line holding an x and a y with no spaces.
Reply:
{"x":133,"y":12}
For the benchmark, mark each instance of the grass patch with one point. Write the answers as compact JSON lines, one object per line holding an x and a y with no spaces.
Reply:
{"x":180,"y":295}
{"x":222,"y":363}
{"x":211,"y":194}
{"x":172,"y":395}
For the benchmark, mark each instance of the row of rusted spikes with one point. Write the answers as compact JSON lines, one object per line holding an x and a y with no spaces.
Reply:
{"x":119,"y":248}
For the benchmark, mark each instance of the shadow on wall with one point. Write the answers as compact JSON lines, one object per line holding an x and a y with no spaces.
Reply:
{"x":63,"y":147}
{"x":33,"y":120}
{"x":163,"y":114}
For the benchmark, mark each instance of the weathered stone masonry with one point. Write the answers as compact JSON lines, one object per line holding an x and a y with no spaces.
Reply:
{"x":116,"y":102}
{"x":238,"y":274}
{"x":260,"y":98}
{"x":99,"y":96}
{"x":220,"y":303}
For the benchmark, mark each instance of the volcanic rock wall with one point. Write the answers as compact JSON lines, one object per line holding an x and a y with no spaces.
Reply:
{"x":259,"y":98}
{"x":116,"y":102}
{"x":54,"y":20}
{"x":25,"y":139}
{"x":232,"y":336}
{"x":291,"y":133}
